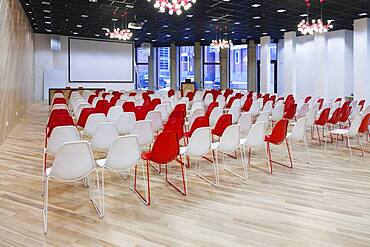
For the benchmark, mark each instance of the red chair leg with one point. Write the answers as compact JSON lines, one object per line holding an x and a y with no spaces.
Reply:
{"x":290,"y":156}
{"x":269,"y":156}
{"x":145,"y":200}
{"x":183,"y":192}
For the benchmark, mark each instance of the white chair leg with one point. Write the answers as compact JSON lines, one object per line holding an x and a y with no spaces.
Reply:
{"x":102,"y":189}
{"x":360,"y":144}
{"x":215,"y":170}
{"x":349,"y":146}
{"x":307,"y":150}
{"x":45,"y":209}
{"x":97,"y":202}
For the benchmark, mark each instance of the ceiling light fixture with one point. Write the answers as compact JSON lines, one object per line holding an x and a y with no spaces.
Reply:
{"x":173,"y":6}
{"x":256,"y":5}
{"x":362,"y":14}
{"x":221,"y":42}
{"x":281,"y":10}
{"x":315,"y":26}
{"x":120,"y":34}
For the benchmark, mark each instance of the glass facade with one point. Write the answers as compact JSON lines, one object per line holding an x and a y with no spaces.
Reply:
{"x":186,"y":63}
{"x":239,"y":67}
{"x":141,"y":69}
{"x":211,"y":68}
{"x":163,"y":64}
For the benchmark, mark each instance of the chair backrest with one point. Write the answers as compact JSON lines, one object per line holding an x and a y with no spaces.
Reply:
{"x":199,"y":122}
{"x":291,"y":111}
{"x":268,"y":106}
{"x":367,"y":110}
{"x":302,"y":111}
{"x":247,"y":104}
{"x":208,"y":99}
{"x":364,"y":127}
{"x":222,"y":123}
{"x":144,"y":131}
{"x":128,"y":106}
{"x":155,"y":118}
{"x":311,"y":117}
{"x":104,"y":136}
{"x":85,"y":113}
{"x":245,"y":122}
{"x":255,"y":108}
{"x":299,"y":129}
{"x":324,"y":117}
{"x":175,"y":125}
{"x":256,"y":135}
{"x":60,"y":135}
{"x":93,"y":120}
{"x":95,"y":101}
{"x":128,"y":145}
{"x":210,"y":108}
{"x":263,"y":117}
{"x":221,"y":101}
{"x":279,"y":132}
{"x":230,"y":139}
{"x":355,"y":112}
{"x":236,"y":103}
{"x":125,"y":123}
{"x":196,"y":113}
{"x":215,"y":115}
{"x":114,"y":113}
{"x":277,"y":113}
{"x":235,"y":113}
{"x":165,"y":148}
{"x":163,"y":109}
{"x":140,"y":112}
{"x":335,"y":117}
{"x":355,"y":126}
{"x":73,"y":161}
{"x":200,"y":142}
{"x":196,"y":105}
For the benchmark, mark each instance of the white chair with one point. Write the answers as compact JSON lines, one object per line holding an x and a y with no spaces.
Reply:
{"x":125,"y":123}
{"x":263,"y":117}
{"x":235,"y":113}
{"x":92,"y":123}
{"x":163,"y":109}
{"x":366,"y":111}
{"x":208,"y":99}
{"x":298,"y":134}
{"x":255,"y":108}
{"x":80,"y":108}
{"x":74,"y":161}
{"x":221,"y":101}
{"x":58,"y":95}
{"x":139,"y":102}
{"x":236,"y":103}
{"x":197,"y":105}
{"x":144,"y":131}
{"x":197,"y":113}
{"x":114,"y":113}
{"x":277,"y":113}
{"x":214,"y":116}
{"x":302,"y":112}
{"x":120,"y":102}
{"x":59,"y":106}
{"x":116,"y":162}
{"x":108,"y":97}
{"x":95,"y":101}
{"x":245,"y":122}
{"x":254,"y":139}
{"x":155,"y":117}
{"x":268,"y":107}
{"x":260,"y":101}
{"x":351,"y":132}
{"x":355,"y":111}
{"x":104,"y":136}
{"x":229,"y":143}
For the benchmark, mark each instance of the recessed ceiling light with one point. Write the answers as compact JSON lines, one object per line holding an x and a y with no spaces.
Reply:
{"x":153,"y":40}
{"x":30,"y":12}
{"x":226,"y":0}
{"x":257,"y":26}
{"x":78,"y":25}
{"x":168,"y":35}
{"x":189,"y":16}
{"x":93,"y":1}
{"x":362,"y":14}
{"x":264,"y":33}
{"x":129,"y":6}
{"x":67,"y":19}
{"x":27,"y":4}
{"x":114,"y":19}
{"x":75,"y":32}
{"x":303,"y":15}
{"x":202,"y":39}
{"x":44,"y":2}
{"x":214,"y":19}
{"x":46,"y":11}
{"x":237,"y":23}
{"x":36,"y":28}
{"x":148,"y":33}
{"x":187,"y":29}
{"x":97,"y":35}
{"x":48,"y":30}
{"x":256,"y":17}
{"x":282,"y":30}
{"x":84,"y":16}
{"x":281,"y":10}
{"x":47,"y":22}
{"x":136,"y":38}
{"x":331,"y":20}
{"x":256,"y":5}
{"x":165,"y":26}
{"x":47,"y":17}
{"x":186,"y":37}
{"x":207,"y":31}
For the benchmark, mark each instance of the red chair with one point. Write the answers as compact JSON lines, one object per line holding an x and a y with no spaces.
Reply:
{"x":321,"y":103}
{"x":62,"y":120}
{"x":181,"y":107}
{"x":344,"y":114}
{"x":334,"y":120}
{"x":102,"y":106}
{"x":175,"y":125}
{"x":273,"y":99}
{"x":171,"y":93}
{"x":238,"y":95}
{"x":307,"y":99}
{"x":277,"y":137}
{"x":178,"y":115}
{"x":230,"y":102}
{"x":91,"y":98}
{"x":199,"y":122}
{"x":322,"y":121}
{"x":190,"y":95}
{"x":148,"y":105}
{"x":222,"y":123}
{"x":247,"y":104}
{"x":166,"y":148}
{"x":117,"y":94}
{"x":156,"y":102}
{"x":105,"y":95}
{"x":132,"y":94}
{"x":59,"y":101}
{"x":291,"y":111}
{"x":140,"y":113}
{"x":114,"y":100}
{"x":210,"y":108}
{"x":145,"y":96}
{"x":128,"y":106}
{"x":364,"y":127}
{"x":85,"y":113}
{"x":362,"y":104}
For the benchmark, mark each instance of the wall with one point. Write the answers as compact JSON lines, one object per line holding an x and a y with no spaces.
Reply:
{"x":16,"y":65}
{"x":47,"y":59}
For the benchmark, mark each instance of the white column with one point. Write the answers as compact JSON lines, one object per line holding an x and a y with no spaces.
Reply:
{"x":361,"y":57}
{"x":265,"y":71}
{"x":320,"y":65}
{"x":281,"y":61}
{"x":290,"y":64}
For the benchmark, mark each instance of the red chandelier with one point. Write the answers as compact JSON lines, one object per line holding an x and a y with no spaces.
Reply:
{"x":173,"y":6}
{"x":315,"y":26}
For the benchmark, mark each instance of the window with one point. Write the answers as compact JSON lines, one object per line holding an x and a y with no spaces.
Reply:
{"x":186,"y":63}
{"x":163,"y":68}
{"x":239,"y":67}
{"x":273,"y":51}
{"x":211,"y":68}
{"x":142,"y":69}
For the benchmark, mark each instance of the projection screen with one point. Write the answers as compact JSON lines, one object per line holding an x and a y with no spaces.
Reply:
{"x":100,"y":61}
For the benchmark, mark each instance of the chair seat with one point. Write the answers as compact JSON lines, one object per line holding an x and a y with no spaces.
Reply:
{"x":339,"y":131}
{"x":187,"y":134}
{"x":145,"y":156}
{"x":215,"y":145}
{"x":101,"y":162}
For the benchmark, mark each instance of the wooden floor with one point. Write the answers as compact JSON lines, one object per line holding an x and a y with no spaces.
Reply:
{"x":325,"y":203}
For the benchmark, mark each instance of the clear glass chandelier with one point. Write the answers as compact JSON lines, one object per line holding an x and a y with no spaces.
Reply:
{"x":121,"y":34}
{"x":315,"y":26}
{"x":173,"y":6}
{"x":220,"y":43}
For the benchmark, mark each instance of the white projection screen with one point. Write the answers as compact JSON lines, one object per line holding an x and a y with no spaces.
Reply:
{"x":100,"y":61}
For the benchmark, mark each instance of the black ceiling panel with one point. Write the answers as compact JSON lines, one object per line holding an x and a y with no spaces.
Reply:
{"x":86,"y":18}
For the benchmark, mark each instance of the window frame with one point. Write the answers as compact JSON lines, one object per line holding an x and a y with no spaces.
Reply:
{"x":204,"y":64}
